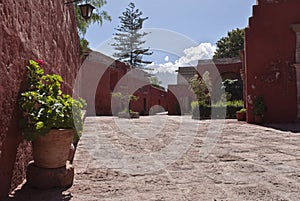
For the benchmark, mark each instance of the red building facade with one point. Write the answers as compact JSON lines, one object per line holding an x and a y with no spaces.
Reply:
{"x":151,"y":99}
{"x":108,"y":81}
{"x":102,"y":76}
{"x":180,"y":97}
{"x":270,"y":58}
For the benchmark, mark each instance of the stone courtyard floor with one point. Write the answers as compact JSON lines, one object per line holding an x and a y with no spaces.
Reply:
{"x":169,"y":158}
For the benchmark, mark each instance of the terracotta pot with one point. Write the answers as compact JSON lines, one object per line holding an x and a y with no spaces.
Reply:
{"x":240,"y":116}
{"x":258,"y":119}
{"x":134,"y":115}
{"x":52,"y":150}
{"x":127,"y":115}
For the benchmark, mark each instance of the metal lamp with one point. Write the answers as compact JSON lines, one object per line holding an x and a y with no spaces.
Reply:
{"x":86,"y":10}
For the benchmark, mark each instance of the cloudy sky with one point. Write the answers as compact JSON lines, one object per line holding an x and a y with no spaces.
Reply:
{"x":180,"y":32}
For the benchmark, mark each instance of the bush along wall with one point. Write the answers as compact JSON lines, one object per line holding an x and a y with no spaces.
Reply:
{"x":220,"y":110}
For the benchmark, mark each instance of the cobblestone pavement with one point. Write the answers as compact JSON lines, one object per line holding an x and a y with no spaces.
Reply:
{"x":163,"y":158}
{"x":170,"y":158}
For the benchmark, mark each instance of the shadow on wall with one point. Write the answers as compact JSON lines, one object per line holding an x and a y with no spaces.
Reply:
{"x":16,"y":153}
{"x":24,"y":37}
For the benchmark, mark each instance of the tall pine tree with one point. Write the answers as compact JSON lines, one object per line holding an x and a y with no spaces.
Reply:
{"x":128,"y":40}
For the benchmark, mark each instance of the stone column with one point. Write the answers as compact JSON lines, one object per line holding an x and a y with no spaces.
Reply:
{"x":297,"y":66}
{"x":296,"y":28}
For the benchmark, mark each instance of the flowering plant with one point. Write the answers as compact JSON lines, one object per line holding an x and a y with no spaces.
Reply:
{"x":45,"y":107}
{"x":40,"y":62}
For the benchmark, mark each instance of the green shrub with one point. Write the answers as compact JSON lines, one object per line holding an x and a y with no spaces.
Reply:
{"x":259,"y":106}
{"x":202,"y":111}
{"x":83,"y":103}
{"x":236,"y":103}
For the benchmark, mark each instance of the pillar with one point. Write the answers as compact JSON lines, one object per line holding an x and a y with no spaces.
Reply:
{"x":296,"y":29}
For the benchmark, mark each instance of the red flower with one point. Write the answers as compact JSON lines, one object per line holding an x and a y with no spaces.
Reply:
{"x":40,"y":62}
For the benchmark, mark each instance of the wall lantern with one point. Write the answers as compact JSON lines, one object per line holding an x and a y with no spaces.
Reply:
{"x":86,"y":9}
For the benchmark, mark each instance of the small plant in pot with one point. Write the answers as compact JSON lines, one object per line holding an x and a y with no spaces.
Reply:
{"x":241,"y":114}
{"x":125,"y":101}
{"x":259,"y":109}
{"x":50,"y":119}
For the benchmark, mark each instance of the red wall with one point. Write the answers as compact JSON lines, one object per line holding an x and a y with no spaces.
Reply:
{"x":103,"y":94}
{"x":175,"y":93}
{"x":99,"y":75}
{"x":108,"y":74}
{"x":30,"y":30}
{"x":149,"y":96}
{"x":222,"y":68}
{"x":218,"y":72}
{"x":106,"y":86}
{"x":269,"y":50}
{"x":108,"y":81}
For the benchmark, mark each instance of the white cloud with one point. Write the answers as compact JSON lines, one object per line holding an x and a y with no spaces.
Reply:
{"x":191,"y":57}
{"x":193,"y":54}
{"x":163,"y":68}
{"x":165,"y":71}
{"x":166,"y":58}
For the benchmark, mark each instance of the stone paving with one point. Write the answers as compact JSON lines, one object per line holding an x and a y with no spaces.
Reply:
{"x":172,"y":158}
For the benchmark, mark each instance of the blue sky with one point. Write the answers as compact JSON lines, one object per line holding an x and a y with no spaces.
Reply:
{"x":181,"y":31}
{"x":200,"y":20}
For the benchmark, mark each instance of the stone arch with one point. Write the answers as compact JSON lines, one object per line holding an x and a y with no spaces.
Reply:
{"x":236,"y":94}
{"x":232,"y":76}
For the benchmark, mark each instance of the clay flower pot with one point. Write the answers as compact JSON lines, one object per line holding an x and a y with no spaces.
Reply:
{"x":258,"y":119}
{"x":129,"y":115}
{"x":240,"y":116}
{"x":52,"y":150}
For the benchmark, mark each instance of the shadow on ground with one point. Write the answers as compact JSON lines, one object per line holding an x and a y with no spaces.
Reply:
{"x":27,"y":193}
{"x":292,"y":127}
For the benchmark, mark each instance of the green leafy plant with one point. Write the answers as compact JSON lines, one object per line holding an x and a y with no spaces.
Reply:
{"x":201,"y":87}
{"x":233,"y":89}
{"x":244,"y":110}
{"x":259,"y":106}
{"x":83,"y":102}
{"x":45,"y":107}
{"x":125,"y":100}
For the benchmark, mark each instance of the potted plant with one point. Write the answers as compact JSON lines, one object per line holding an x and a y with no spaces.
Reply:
{"x":125,"y":101}
{"x":50,"y":119}
{"x":259,"y":109}
{"x":241,"y":114}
